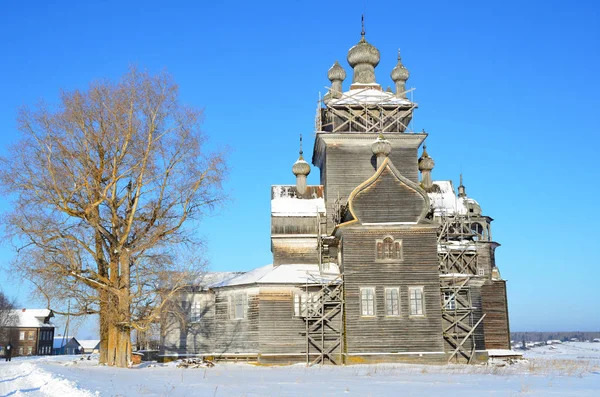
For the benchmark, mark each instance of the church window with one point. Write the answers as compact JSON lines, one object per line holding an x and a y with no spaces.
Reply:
{"x":304,"y":304}
{"x":367,"y":302}
{"x":238,"y":305}
{"x":389,"y":249}
{"x":415,"y":295}
{"x":392,"y":302}
{"x":449,"y":301}
{"x":196,"y":312}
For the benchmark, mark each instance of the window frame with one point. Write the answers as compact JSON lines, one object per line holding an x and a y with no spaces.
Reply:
{"x":195,"y":311}
{"x":21,"y":335}
{"x":390,"y":299}
{"x":30,"y":335}
{"x":421,"y":289}
{"x":374,"y":303}
{"x":302,"y":302}
{"x":233,"y":305}
{"x":449,"y":302}
{"x":397,"y":255}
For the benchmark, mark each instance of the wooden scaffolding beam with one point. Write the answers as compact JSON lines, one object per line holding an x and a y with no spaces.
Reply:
{"x":323,"y":313}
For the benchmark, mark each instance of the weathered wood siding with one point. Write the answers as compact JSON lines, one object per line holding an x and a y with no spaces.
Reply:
{"x":419,"y":267}
{"x":281,"y":333}
{"x":347,"y":166}
{"x":388,"y":200}
{"x":479,"y":332}
{"x":497,"y":332}
{"x":294,"y":250}
{"x":294,"y":224}
{"x":236,"y":336}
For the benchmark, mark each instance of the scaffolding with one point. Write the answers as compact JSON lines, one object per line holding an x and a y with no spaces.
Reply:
{"x":358,"y":111}
{"x":323,"y":306}
{"x":458,"y":265}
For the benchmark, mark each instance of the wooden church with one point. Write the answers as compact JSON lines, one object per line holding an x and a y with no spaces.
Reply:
{"x":373,"y":265}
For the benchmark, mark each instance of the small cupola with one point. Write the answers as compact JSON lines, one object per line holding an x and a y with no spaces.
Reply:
{"x":381,"y":148}
{"x":336,"y":74}
{"x":462,"y":192}
{"x":400,"y":76}
{"x":301,"y":169}
{"x":426,"y":164}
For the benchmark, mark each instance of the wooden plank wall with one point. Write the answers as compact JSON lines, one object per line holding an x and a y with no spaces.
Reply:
{"x":280,"y":331}
{"x":418,"y":268}
{"x":373,"y":204}
{"x":360,"y":159}
{"x":236,"y":336}
{"x":497,"y":332}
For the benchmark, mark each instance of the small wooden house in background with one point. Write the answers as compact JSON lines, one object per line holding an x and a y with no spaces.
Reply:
{"x":374,"y":264}
{"x":66,"y":345}
{"x":90,"y":345}
{"x":31,"y":334}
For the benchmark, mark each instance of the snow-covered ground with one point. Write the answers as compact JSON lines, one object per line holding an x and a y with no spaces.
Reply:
{"x":570,"y":369}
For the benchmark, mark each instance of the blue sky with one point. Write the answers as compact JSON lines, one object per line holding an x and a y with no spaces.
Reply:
{"x":508,"y":91}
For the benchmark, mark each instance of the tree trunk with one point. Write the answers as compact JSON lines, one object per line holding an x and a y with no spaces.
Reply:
{"x":111,"y":331}
{"x":103,"y":327}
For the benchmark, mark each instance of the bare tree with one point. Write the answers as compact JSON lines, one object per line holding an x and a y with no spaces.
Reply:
{"x":107,"y":190}
{"x":8,"y":317}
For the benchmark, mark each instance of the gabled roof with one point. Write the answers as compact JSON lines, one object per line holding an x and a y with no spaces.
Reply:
{"x":387,"y":197}
{"x":60,"y":341}
{"x":34,"y":318}
{"x":89,"y":343}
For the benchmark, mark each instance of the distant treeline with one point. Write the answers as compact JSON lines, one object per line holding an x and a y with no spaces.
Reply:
{"x":544,"y":336}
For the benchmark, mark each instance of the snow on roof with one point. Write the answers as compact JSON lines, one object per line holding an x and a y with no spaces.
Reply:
{"x":284,"y":202}
{"x":210,"y":278}
{"x":89,"y":343}
{"x":445,"y":202}
{"x":369,"y":96}
{"x":456,"y":275}
{"x":282,"y":274}
{"x":457,"y":245}
{"x":502,"y":353}
{"x":33,"y":318}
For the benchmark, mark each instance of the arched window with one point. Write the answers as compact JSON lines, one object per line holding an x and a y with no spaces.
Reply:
{"x":389,"y":249}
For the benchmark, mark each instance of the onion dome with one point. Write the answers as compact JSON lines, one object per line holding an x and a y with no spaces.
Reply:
{"x":363,"y":53}
{"x":381,"y":146}
{"x":336,"y":72}
{"x":426,"y":163}
{"x":336,"y":75}
{"x":399,"y":73}
{"x":301,"y":167}
{"x":496,"y":273}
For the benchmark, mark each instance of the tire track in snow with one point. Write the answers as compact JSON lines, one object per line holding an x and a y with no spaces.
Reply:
{"x":26,"y":379}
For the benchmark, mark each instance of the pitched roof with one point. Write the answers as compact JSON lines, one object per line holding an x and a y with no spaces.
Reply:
{"x":89,"y":343}
{"x":34,"y":318}
{"x":60,"y":341}
{"x":281,"y":274}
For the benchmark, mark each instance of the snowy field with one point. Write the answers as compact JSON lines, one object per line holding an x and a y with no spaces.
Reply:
{"x":571,"y":369}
